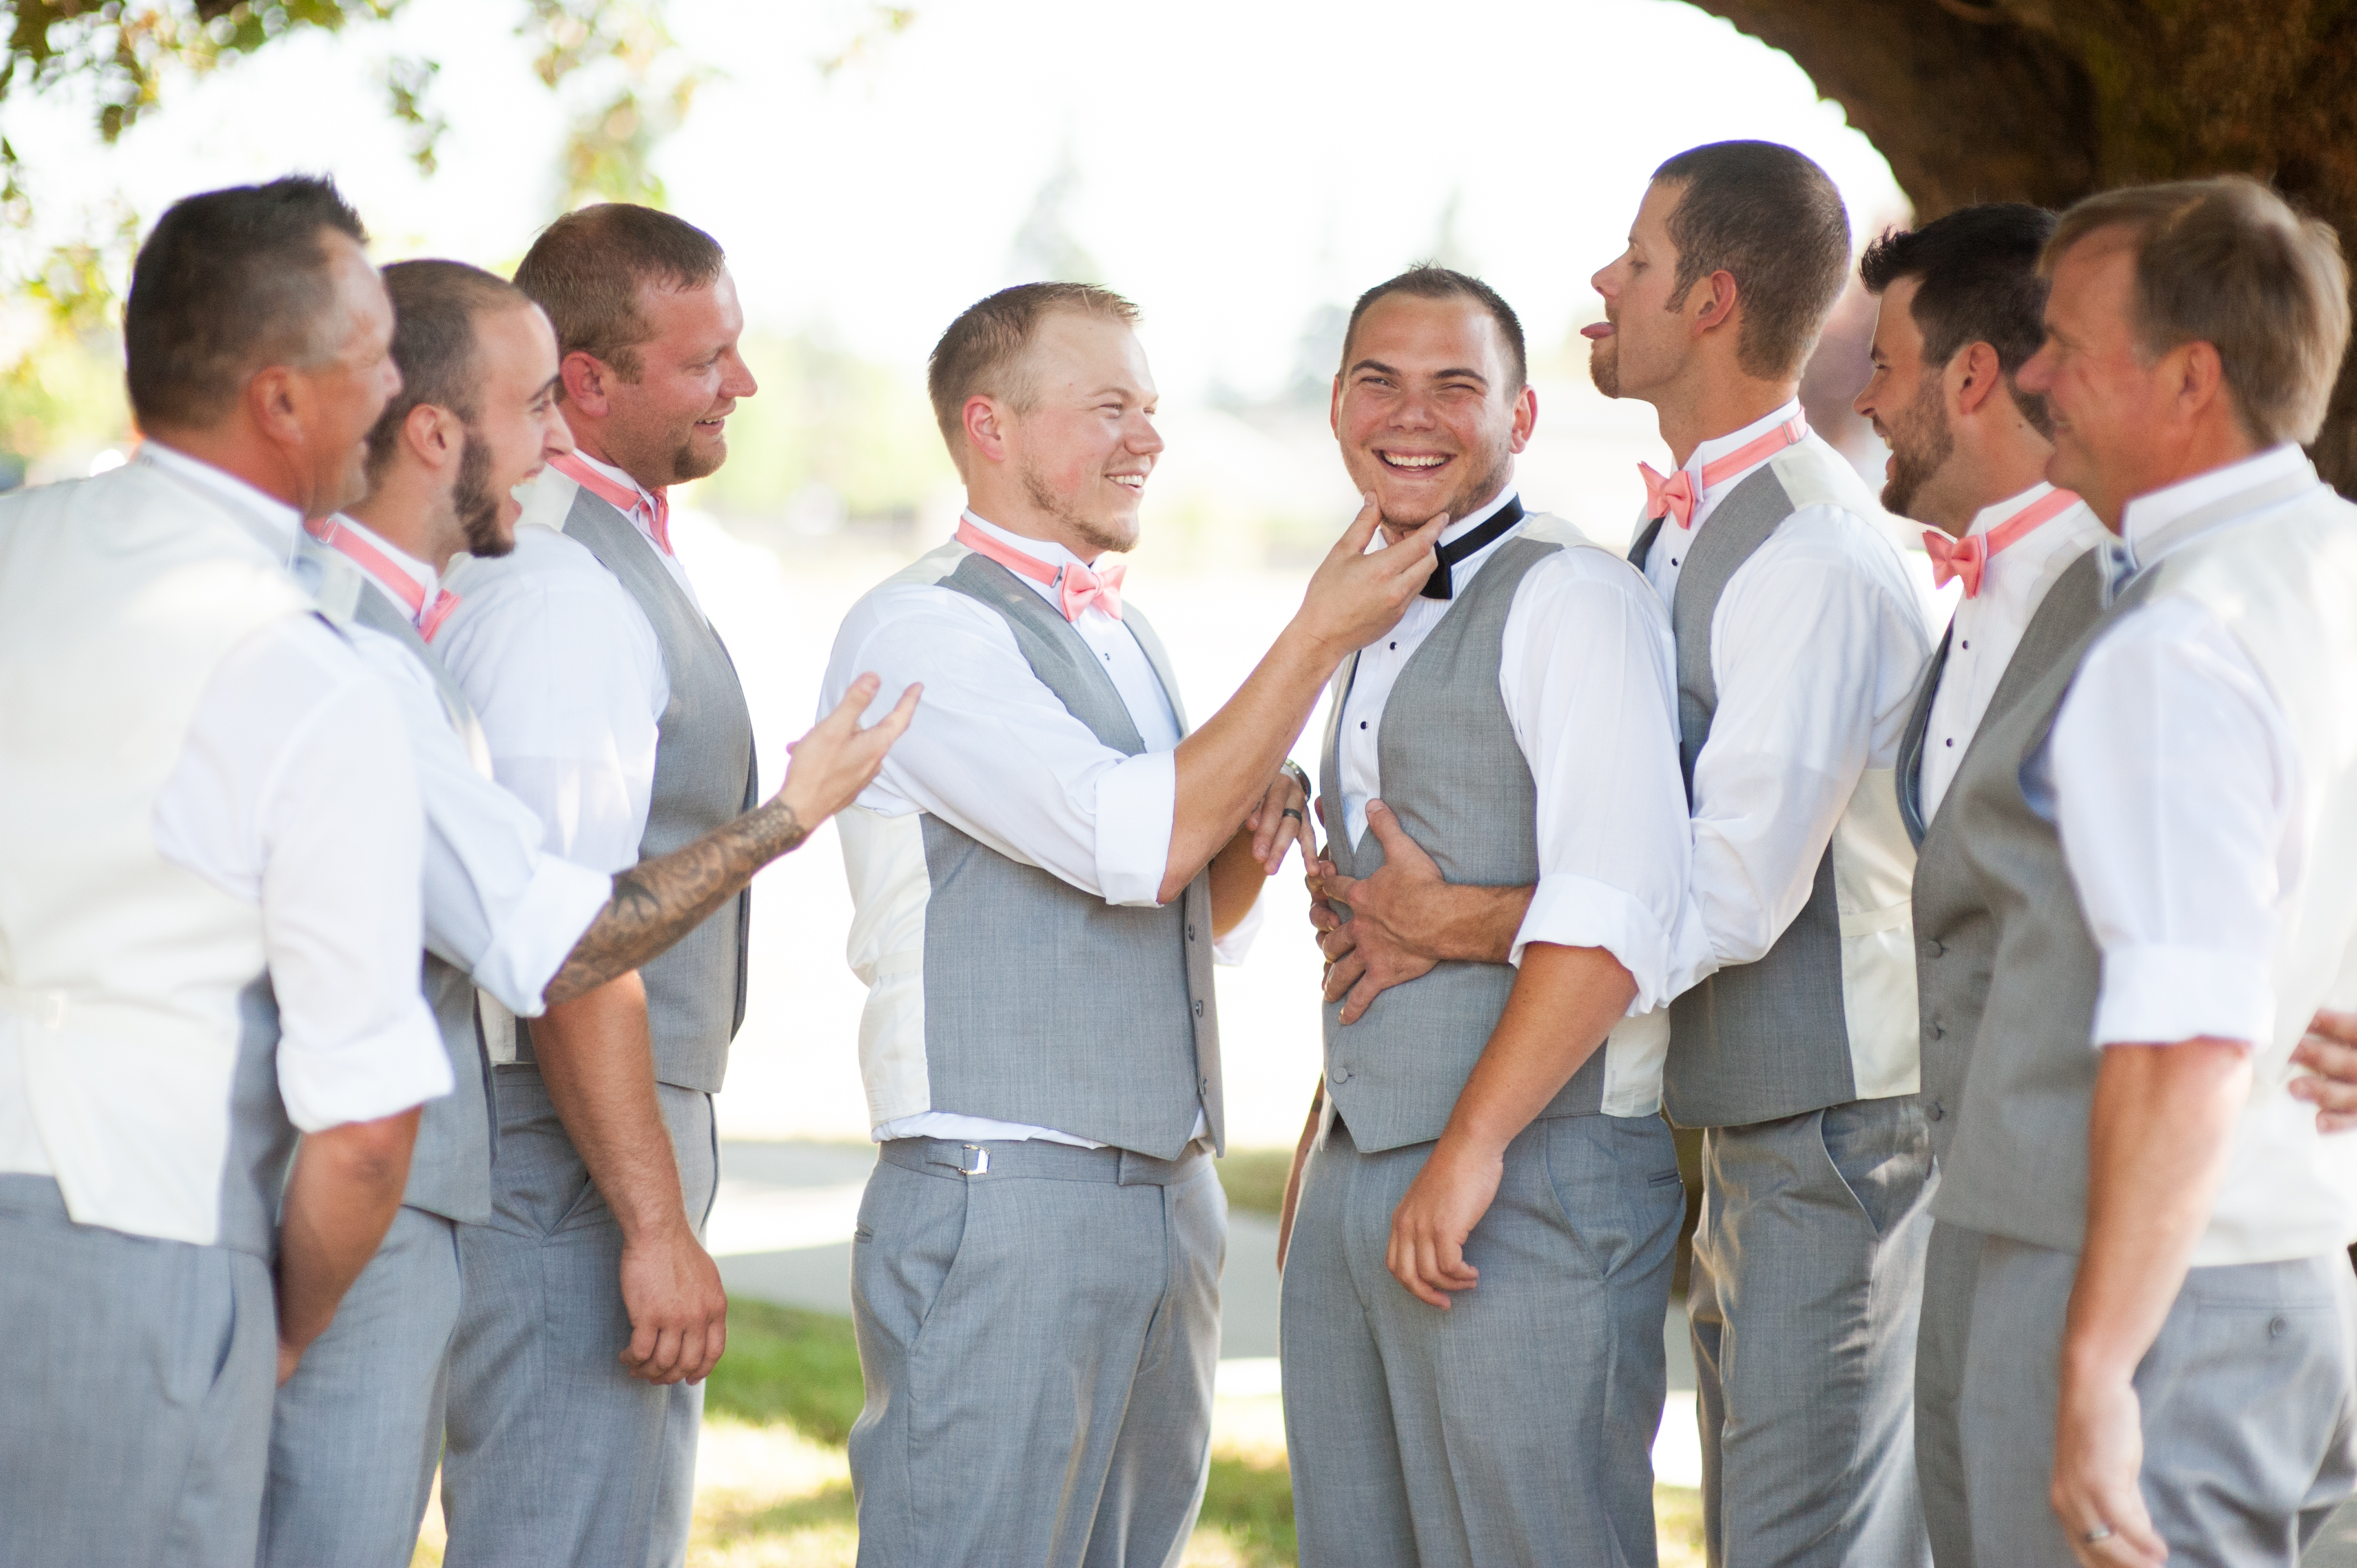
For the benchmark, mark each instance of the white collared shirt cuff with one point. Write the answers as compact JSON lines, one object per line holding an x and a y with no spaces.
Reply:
{"x":1574,"y":911}
{"x":1236,"y":946}
{"x":2160,"y":995}
{"x":544,"y":925}
{"x":1137,"y":802}
{"x":380,"y":1073}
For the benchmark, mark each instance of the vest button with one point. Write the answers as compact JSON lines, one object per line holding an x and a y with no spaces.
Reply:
{"x":1190,"y":932}
{"x":1934,"y":946}
{"x":1938,"y":1031}
{"x":1199,"y":1007}
{"x":1935,"y":1111}
{"x":1337,"y":1075}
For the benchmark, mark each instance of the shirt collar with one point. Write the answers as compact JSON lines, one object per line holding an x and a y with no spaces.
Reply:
{"x":1460,"y":527}
{"x":274,"y":524}
{"x":2003,"y":511}
{"x":1047,"y":552}
{"x":2148,"y":515}
{"x":1717,"y":446}
{"x":619,"y":477}
{"x":417,"y":570}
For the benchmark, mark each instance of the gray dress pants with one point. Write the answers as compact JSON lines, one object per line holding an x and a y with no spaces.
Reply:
{"x":1039,"y":1342}
{"x":135,"y":1393}
{"x":1516,"y":1427}
{"x":1951,"y":1266}
{"x":2248,"y":1442}
{"x":1808,"y":1273}
{"x":358,"y":1430}
{"x":557,"y":1456}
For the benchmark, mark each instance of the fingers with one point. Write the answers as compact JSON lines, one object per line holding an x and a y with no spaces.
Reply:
{"x":1341,"y":976}
{"x":2335,"y":1027}
{"x":1362,"y":528}
{"x":1362,"y":994}
{"x":2333,"y":1088}
{"x":843,"y":720}
{"x":1412,"y":558}
{"x":1398,"y":848}
{"x":1399,"y":1256}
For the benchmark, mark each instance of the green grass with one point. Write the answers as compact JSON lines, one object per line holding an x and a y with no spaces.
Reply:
{"x":784,"y":1365}
{"x":1255,"y":1178}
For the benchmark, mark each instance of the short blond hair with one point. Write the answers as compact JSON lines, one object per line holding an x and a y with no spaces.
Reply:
{"x":2228,"y":262}
{"x":983,"y":350}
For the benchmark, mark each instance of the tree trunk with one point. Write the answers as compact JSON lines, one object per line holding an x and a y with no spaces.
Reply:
{"x":2047,"y":100}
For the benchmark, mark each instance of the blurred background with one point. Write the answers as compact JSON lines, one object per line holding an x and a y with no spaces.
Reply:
{"x":1241,"y":170}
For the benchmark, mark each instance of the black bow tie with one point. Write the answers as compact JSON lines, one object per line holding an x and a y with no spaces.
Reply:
{"x":1437,"y":587}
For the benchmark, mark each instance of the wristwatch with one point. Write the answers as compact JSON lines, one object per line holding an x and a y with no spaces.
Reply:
{"x":1309,"y":791}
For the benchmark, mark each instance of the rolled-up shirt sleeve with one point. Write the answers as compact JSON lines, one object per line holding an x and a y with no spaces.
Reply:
{"x":996,"y":754}
{"x":2176,"y":781}
{"x":1587,"y":675}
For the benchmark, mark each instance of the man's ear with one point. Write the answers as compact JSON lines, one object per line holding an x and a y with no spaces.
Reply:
{"x":278,"y":397}
{"x":986,"y":423}
{"x":433,"y":434}
{"x":589,"y":383}
{"x":1972,"y":372}
{"x":1719,"y":297}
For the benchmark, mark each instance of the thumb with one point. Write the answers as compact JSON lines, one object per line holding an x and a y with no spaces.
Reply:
{"x":1397,"y":845}
{"x":1362,"y":528}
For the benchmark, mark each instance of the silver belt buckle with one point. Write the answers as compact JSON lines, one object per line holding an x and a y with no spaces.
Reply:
{"x":976,"y":1161}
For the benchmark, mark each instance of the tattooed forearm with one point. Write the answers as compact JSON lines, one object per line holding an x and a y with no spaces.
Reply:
{"x":656,"y":902}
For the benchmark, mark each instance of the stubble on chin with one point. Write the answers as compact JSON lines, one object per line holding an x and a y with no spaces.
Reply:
{"x":1604,"y":367}
{"x":1920,"y":445}
{"x":1098,"y":535}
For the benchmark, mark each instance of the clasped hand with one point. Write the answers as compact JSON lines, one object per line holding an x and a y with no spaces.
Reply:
{"x":1383,"y":941}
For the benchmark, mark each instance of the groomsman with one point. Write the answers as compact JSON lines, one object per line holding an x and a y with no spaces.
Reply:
{"x":1492,"y":1132}
{"x":1961,"y":303}
{"x":591,"y":1312}
{"x":1792,"y":1042}
{"x":2164,"y":1325}
{"x":476,"y":416}
{"x":209,"y":854}
{"x":1040,"y":874}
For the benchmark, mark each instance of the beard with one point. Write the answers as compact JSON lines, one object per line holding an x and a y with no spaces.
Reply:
{"x":1921,"y":445}
{"x":1604,"y":366}
{"x":1096,"y":535}
{"x":688,"y":463}
{"x":472,"y":498}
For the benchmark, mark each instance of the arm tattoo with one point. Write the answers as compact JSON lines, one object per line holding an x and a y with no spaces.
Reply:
{"x":656,"y":902}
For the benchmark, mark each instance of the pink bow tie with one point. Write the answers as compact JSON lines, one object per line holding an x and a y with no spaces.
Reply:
{"x":1671,"y":497}
{"x":1677,"y":496}
{"x":1969,"y":557}
{"x":332,"y":533}
{"x":1077,"y":586}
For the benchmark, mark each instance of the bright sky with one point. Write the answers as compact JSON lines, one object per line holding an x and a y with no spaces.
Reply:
{"x":1235,"y":163}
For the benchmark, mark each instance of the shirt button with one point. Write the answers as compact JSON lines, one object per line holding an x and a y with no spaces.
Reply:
{"x":1394,"y":648}
{"x":1199,"y":1007}
{"x":1363,"y":723}
{"x":1938,"y":1031}
{"x":1968,"y":642}
{"x":1950,"y":741}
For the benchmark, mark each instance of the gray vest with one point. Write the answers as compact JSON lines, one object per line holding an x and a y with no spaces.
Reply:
{"x":705,"y":777}
{"x":1454,"y":773}
{"x":1760,"y":1040}
{"x":451,"y":1169}
{"x":2016,"y":1162}
{"x":1044,"y":1005}
{"x":1955,"y":930}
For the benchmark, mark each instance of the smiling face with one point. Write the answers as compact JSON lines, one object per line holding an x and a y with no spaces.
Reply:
{"x":517,"y":425}
{"x":1644,"y":342}
{"x":1427,"y":409}
{"x":1080,"y":434}
{"x":1905,"y":401}
{"x":2115,"y":411}
{"x":670,"y":424}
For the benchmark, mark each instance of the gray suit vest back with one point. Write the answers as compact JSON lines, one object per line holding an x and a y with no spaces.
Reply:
{"x":705,"y":777}
{"x":1044,"y":1005}
{"x":260,"y":1139}
{"x":1453,"y":772}
{"x":451,"y":1169}
{"x":1771,"y":1038}
{"x":2017,"y":1159}
{"x":1955,"y":930}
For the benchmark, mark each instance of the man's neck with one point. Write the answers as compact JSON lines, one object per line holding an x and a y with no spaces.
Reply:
{"x":1006,"y":507}
{"x":589,"y":441}
{"x":405,"y":521}
{"x":1717,"y":405}
{"x":2001,"y":471}
{"x":243,"y":456}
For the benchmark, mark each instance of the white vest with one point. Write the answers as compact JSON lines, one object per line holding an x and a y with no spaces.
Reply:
{"x":120,"y":973}
{"x":2287,"y":587}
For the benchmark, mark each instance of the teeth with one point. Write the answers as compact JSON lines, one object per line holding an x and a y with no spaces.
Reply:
{"x":1397,"y":461}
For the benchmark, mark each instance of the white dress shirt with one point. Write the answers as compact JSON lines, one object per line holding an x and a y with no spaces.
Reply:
{"x":497,"y":904}
{"x":1587,"y":671}
{"x":1816,"y":646}
{"x":293,"y":791}
{"x":1988,"y":626}
{"x":567,"y":681}
{"x":2178,"y":793}
{"x":996,"y":754}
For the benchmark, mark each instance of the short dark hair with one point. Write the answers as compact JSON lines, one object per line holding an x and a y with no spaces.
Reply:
{"x":229,"y":282}
{"x":1773,"y":219}
{"x":1978,"y":280}
{"x":586,"y":269}
{"x":435,"y":306}
{"x":1429,"y":280}
{"x":983,"y":350}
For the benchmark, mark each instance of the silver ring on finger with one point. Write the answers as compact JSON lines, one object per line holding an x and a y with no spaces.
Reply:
{"x":2096,"y":1536}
